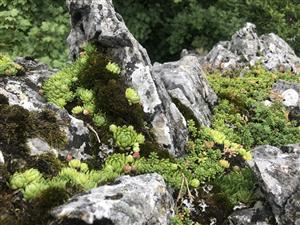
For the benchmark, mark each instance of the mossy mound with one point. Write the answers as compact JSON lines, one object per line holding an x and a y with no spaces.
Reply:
{"x":18,"y":124}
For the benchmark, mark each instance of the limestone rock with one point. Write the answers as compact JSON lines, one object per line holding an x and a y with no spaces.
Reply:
{"x":278,"y":174}
{"x":136,"y":200}
{"x":96,"y":21}
{"x":247,"y":48}
{"x":187,"y":85}
{"x":260,"y":214}
{"x":25,"y":91}
{"x":288,"y":91}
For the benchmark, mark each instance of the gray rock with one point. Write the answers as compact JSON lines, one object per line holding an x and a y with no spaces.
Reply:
{"x":289,"y":91}
{"x":186,"y":83}
{"x":2,"y":161}
{"x":25,"y":91}
{"x":97,"y":21}
{"x":136,"y":200}
{"x":247,"y":48}
{"x":38,"y":146}
{"x":260,"y":214}
{"x":278,"y":174}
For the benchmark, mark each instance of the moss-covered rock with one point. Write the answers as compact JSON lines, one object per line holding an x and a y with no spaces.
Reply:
{"x":18,"y":124}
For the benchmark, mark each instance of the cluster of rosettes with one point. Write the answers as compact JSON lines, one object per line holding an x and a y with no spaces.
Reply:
{"x":29,"y":182}
{"x":32,"y":184}
{"x":127,"y":138}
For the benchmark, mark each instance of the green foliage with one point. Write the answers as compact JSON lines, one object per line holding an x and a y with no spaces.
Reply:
{"x":87,"y":98}
{"x":99,"y":119}
{"x":8,"y":67}
{"x":77,"y":110}
{"x":237,"y":186}
{"x":132,"y":96}
{"x":194,"y":167}
{"x":113,"y":67}
{"x":182,"y":218}
{"x":241,"y":115}
{"x":18,"y":124}
{"x":21,"y":180}
{"x":39,"y":29}
{"x":199,"y":24}
{"x":35,"y":28}
{"x":32,"y":184}
{"x":126,"y":137}
{"x":58,"y":89}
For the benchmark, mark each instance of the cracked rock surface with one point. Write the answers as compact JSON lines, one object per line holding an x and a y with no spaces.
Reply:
{"x":143,"y":199}
{"x":246,"y":48}
{"x":98,"y":22}
{"x":278,"y":173}
{"x":24,"y":91}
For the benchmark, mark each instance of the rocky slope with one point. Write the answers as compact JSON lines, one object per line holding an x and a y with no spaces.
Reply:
{"x":170,"y":94}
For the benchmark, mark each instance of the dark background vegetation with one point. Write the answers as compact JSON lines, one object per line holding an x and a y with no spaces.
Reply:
{"x":39,"y":28}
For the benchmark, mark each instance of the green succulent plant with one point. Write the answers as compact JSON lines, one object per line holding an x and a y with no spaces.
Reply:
{"x":195,"y":183}
{"x":75,"y":163}
{"x":57,"y":182}
{"x":68,"y":173}
{"x":113,"y":68}
{"x":85,"y":95}
{"x":132,"y":96}
{"x":84,"y":167}
{"x":34,"y":189}
{"x":77,"y":110}
{"x":20,"y":180}
{"x":126,"y":137}
{"x":99,"y":119}
{"x":115,"y":163}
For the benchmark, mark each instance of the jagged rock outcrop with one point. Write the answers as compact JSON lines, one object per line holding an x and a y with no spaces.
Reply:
{"x":259,"y":214}
{"x":187,"y":85}
{"x":25,"y":91}
{"x":136,"y":200}
{"x":278,"y":174}
{"x":98,"y":22}
{"x":247,"y":48}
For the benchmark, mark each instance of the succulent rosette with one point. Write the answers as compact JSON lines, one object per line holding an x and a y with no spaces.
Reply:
{"x":126,"y":137}
{"x":132,"y":96}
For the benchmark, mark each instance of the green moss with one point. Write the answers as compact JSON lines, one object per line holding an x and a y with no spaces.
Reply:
{"x":39,"y":212}
{"x":110,"y":98}
{"x":4,"y":178}
{"x":8,"y":67}
{"x":18,"y":124}
{"x":47,"y":164}
{"x":46,"y":126}
{"x":237,"y":186}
